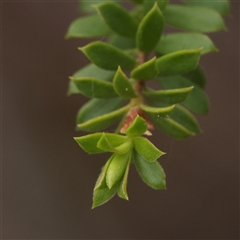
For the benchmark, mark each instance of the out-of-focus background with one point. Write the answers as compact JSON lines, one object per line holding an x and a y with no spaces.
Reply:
{"x":47,"y":180}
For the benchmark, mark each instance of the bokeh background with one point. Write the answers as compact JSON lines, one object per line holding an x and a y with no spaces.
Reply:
{"x":47,"y":180}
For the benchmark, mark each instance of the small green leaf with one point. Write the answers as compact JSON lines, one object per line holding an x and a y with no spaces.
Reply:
{"x":118,"y":19}
{"x":146,"y":149}
{"x":114,"y":143}
{"x":193,"y":18}
{"x":87,"y":6}
{"x":170,"y":96}
{"x":197,"y":76}
{"x":108,"y":57}
{"x":148,"y":4}
{"x":157,"y":112}
{"x":223,"y":6}
{"x":122,"y":85}
{"x":182,"y":41}
{"x":150,"y":30}
{"x":122,"y":42}
{"x":102,"y":122}
{"x":87,"y":27}
{"x":151,"y":172}
{"x":122,"y":190}
{"x":196,"y":101}
{"x":94,"y":88}
{"x":178,"y":62}
{"x":145,"y":71}
{"x":117,"y":169}
{"x":137,"y":127}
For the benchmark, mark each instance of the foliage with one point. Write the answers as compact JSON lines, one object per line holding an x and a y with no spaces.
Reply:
{"x":136,"y":49}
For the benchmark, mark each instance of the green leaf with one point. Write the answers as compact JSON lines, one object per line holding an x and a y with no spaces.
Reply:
{"x":151,"y":172}
{"x":122,"y":190}
{"x":178,"y":62}
{"x":117,"y":169}
{"x":108,"y":57}
{"x":193,"y":18}
{"x":223,"y":6}
{"x":170,"y":96}
{"x":94,"y":88}
{"x":157,"y":112}
{"x":138,"y":1}
{"x":146,"y":149}
{"x":87,"y":6}
{"x":137,"y":127}
{"x":102,"y":122}
{"x":145,"y":71}
{"x":118,"y":19}
{"x":122,"y":85}
{"x":122,"y":42}
{"x":197,"y":76}
{"x":196,"y":101}
{"x":114,"y":143}
{"x":182,"y":41}
{"x":102,"y":193}
{"x":87,"y":27}
{"x":150,"y":30}
{"x":148,"y":4}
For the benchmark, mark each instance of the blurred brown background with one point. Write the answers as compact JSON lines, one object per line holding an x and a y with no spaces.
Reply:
{"x":47,"y":180}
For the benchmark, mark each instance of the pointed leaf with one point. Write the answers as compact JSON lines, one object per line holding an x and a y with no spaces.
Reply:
{"x":197,"y":76}
{"x":150,"y":30}
{"x":178,"y":62}
{"x":146,"y":149}
{"x":145,"y":71}
{"x":148,"y":4}
{"x":193,"y":18}
{"x":122,"y":85}
{"x":118,"y":19}
{"x":170,"y":96}
{"x":87,"y":27}
{"x":94,"y":88}
{"x":151,"y":172}
{"x":183,"y":41}
{"x":87,"y":6}
{"x":137,"y":127}
{"x":122,"y":42}
{"x":117,"y":169}
{"x":223,"y":6}
{"x":157,"y":112}
{"x":108,"y":57}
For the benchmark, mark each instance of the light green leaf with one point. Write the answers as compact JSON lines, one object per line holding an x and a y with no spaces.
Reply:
{"x":150,"y":30}
{"x":122,"y":42}
{"x":137,"y":127}
{"x":108,"y":57}
{"x":94,"y":88}
{"x":182,"y":41}
{"x":145,"y":71}
{"x":148,"y":4}
{"x":223,"y":6}
{"x":170,"y":96}
{"x":117,"y":169}
{"x":197,"y":76}
{"x":122,"y":85}
{"x":178,"y":62}
{"x":87,"y":27}
{"x":87,"y":6}
{"x":157,"y":112}
{"x":146,"y":149}
{"x":151,"y":172}
{"x":196,"y":101}
{"x":118,"y":19}
{"x":193,"y":18}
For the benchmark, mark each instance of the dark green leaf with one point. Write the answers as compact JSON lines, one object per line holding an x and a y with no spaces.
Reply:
{"x":148,"y":4}
{"x":118,"y":19}
{"x":193,"y":18}
{"x":223,"y":6}
{"x":108,"y":57}
{"x":178,"y":62}
{"x":145,"y":71}
{"x":87,"y":27}
{"x":197,"y":76}
{"x":137,"y":127}
{"x":87,"y":6}
{"x":146,"y":149}
{"x":122,"y":85}
{"x":150,"y":30}
{"x":137,"y":1}
{"x":157,"y":111}
{"x":117,"y":169}
{"x":94,"y":88}
{"x":122,"y":42}
{"x":170,"y":96}
{"x":151,"y":172}
{"x":183,"y":41}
